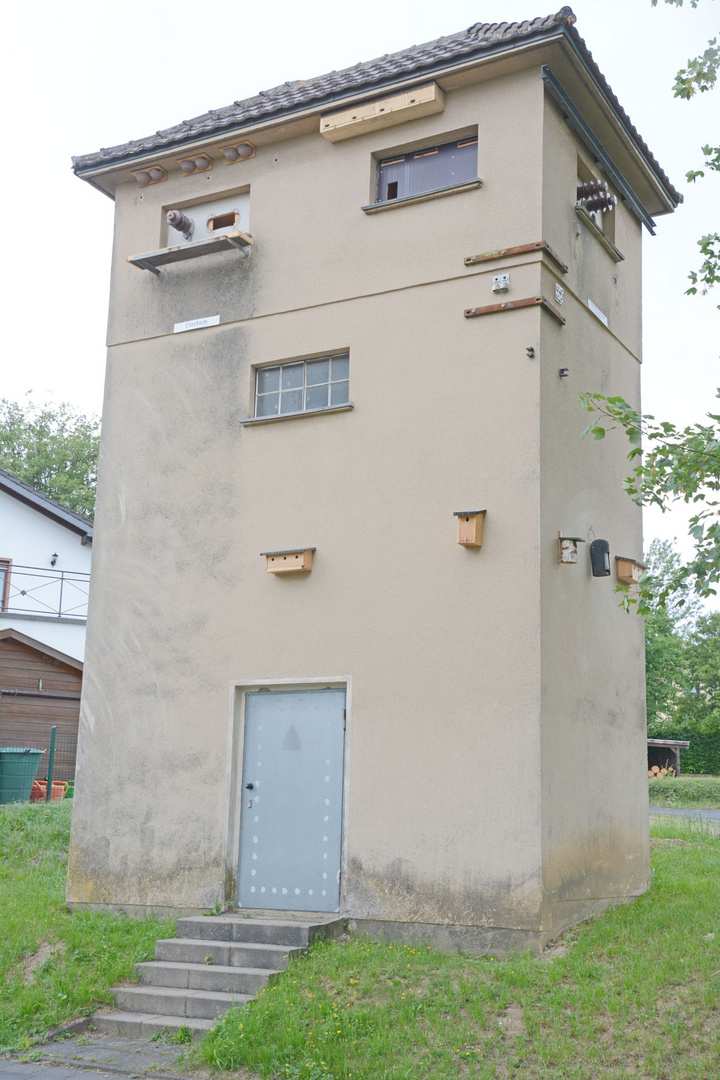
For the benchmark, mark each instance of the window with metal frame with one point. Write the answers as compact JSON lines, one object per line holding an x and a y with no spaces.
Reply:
{"x":303,"y":386}
{"x":428,"y":169}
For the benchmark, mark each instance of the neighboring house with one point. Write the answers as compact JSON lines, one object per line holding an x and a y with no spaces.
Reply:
{"x":39,"y":689}
{"x":45,"y":552}
{"x":350,"y":319}
{"x":44,"y":579}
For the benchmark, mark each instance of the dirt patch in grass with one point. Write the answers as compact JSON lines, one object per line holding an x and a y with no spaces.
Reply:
{"x":45,"y":951}
{"x":656,"y":841}
{"x":512,"y":1022}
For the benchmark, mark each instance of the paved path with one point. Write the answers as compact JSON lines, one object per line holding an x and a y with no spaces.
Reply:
{"x":110,"y":1057}
{"x":699,"y":815}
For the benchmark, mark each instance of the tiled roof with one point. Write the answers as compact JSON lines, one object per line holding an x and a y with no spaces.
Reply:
{"x":332,"y":88}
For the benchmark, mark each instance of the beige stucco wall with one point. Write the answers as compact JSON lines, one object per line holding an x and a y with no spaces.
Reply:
{"x":484,"y":684}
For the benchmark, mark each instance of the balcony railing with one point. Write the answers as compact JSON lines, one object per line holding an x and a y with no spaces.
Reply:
{"x":33,"y":590}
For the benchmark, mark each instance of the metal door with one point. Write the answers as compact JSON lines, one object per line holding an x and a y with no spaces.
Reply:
{"x":292,"y":786}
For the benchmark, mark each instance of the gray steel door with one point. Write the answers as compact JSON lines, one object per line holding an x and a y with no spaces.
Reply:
{"x":292,"y":787}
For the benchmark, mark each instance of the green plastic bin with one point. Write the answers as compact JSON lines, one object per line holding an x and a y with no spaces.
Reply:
{"x":18,"y":766}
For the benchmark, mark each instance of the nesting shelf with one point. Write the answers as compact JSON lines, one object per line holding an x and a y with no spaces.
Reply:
{"x":193,"y":249}
{"x":297,"y":561}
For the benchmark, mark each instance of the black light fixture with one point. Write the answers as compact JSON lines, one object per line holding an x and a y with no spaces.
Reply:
{"x":53,"y":558}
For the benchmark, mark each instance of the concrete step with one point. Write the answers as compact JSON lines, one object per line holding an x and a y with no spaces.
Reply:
{"x":138,"y":1025}
{"x":225,"y":953}
{"x":232,"y":980}
{"x":282,"y":931}
{"x":172,"y":1001}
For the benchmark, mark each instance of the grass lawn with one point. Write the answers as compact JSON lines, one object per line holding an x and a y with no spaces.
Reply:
{"x":693,"y":792}
{"x":633,"y":993}
{"x":54,"y":965}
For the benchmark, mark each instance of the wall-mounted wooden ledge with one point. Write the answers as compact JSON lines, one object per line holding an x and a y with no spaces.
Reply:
{"x":513,"y":305}
{"x":151,"y":260}
{"x":248,"y":420}
{"x":424,"y":196}
{"x":519,"y":249}
{"x":603,"y":237}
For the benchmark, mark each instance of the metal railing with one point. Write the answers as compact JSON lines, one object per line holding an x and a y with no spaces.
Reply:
{"x":33,"y":590}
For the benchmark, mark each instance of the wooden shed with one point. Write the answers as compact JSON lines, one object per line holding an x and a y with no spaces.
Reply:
{"x":39,"y":688}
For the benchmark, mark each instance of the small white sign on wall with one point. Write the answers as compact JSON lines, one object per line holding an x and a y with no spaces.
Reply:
{"x":598,"y":313}
{"x":196,"y":324}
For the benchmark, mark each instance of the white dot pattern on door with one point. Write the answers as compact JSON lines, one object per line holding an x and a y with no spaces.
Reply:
{"x":296,"y":839}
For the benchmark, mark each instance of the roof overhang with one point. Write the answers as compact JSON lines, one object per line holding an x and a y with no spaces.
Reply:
{"x":562,"y":48}
{"x":46,"y":506}
{"x":11,"y":634}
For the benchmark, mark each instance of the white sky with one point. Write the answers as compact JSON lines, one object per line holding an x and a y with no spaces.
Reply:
{"x":94,"y":73}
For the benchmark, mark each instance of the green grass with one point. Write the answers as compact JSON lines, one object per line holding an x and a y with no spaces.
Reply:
{"x":632,"y":993}
{"x":686,"y":792}
{"x":85,"y":952}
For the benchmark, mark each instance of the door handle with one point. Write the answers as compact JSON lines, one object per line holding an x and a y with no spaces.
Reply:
{"x":249,"y":787}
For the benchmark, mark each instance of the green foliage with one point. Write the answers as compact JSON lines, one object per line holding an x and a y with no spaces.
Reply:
{"x":667,"y":623}
{"x":679,"y":464}
{"x":52,"y":447}
{"x":687,"y":791}
{"x":638,"y":984}
{"x":699,"y":75}
{"x":682,"y":659}
{"x":709,"y":272}
{"x":55,"y":965}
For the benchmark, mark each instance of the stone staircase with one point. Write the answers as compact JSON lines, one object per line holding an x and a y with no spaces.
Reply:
{"x":213,"y":963}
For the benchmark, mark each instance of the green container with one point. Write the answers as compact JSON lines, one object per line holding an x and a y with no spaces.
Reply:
{"x":18,"y":766}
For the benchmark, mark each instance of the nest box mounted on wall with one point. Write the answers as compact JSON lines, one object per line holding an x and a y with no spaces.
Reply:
{"x":297,"y":561}
{"x":628,"y":571}
{"x":600,"y":558}
{"x":568,"y":548}
{"x":470,"y":527}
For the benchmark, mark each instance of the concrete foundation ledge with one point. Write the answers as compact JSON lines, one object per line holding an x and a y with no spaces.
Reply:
{"x":473,"y":940}
{"x":139,"y":911}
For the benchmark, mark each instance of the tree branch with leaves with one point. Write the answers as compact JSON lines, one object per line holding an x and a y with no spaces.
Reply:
{"x":674,"y":465}
{"x":699,"y":75}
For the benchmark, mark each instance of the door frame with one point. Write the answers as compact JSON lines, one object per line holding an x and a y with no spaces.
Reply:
{"x":234,"y":768}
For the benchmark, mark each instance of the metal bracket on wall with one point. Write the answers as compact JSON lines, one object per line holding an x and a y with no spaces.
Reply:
{"x":511,"y":305}
{"x":574,"y":119}
{"x":519,"y":249}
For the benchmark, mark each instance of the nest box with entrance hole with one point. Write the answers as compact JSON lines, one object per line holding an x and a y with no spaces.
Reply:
{"x":297,"y":561}
{"x":568,"y":548}
{"x":470,"y":527}
{"x":628,"y":571}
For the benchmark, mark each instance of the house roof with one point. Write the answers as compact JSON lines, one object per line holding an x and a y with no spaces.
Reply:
{"x":51,"y":508}
{"x":421,"y":60}
{"x":39,"y":646}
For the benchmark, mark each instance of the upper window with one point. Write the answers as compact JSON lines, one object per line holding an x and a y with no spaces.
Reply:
{"x":595,"y":198}
{"x":303,"y":386}
{"x":428,"y":169}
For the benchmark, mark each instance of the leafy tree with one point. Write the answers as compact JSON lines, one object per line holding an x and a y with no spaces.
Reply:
{"x":679,"y":464}
{"x":697,"y":77}
{"x":52,"y":447}
{"x":699,"y":707}
{"x":667,"y":624}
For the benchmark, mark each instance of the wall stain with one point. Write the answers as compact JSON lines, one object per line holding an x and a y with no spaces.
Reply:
{"x":395,"y":893}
